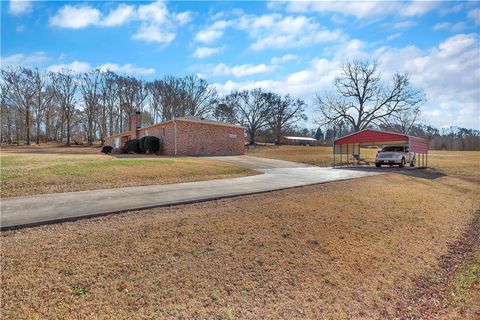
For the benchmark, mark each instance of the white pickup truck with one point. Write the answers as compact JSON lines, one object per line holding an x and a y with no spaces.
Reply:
{"x":392,"y":155}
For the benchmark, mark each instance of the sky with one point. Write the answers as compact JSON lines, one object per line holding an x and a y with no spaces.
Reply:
{"x":293,"y":47}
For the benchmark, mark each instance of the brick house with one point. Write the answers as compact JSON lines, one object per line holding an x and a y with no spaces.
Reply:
{"x":186,"y":136}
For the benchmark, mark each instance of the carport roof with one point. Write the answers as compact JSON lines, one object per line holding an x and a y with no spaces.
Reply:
{"x":372,"y":137}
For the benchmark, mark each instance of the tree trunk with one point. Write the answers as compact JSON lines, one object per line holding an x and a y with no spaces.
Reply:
{"x":27,"y":124}
{"x":37,"y":131}
{"x":68,"y":131}
{"x":252,"y":137}
{"x":47,"y":126}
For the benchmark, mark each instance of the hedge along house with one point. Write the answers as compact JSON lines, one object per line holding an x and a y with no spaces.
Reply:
{"x":186,"y":136}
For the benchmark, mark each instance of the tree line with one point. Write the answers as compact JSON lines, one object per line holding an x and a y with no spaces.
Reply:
{"x":42,"y":106}
{"x":66,"y":106}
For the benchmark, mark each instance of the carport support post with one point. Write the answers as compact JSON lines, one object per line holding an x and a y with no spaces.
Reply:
{"x":334,"y":155}
{"x":347,"y":155}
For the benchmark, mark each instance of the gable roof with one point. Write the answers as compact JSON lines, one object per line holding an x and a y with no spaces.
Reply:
{"x":186,"y":119}
{"x":206,"y":121}
{"x":370,"y":136}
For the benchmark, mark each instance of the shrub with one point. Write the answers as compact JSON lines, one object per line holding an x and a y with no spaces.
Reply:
{"x":149,"y":144}
{"x":107,"y":149}
{"x":132,"y":146}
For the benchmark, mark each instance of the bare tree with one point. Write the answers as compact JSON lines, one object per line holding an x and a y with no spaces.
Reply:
{"x":200,"y":97}
{"x":132,"y":94}
{"x":169,"y":97}
{"x":65,"y":85}
{"x":252,"y":109}
{"x":42,"y":98}
{"x":363,"y":100}
{"x":20,"y":91}
{"x":402,"y":121}
{"x":284,"y":112}
{"x":224,"y":112}
{"x":6,"y":115}
{"x":90,"y":89}
{"x":109,"y":101}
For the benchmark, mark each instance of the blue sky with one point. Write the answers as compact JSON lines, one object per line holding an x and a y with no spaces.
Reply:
{"x":287,"y":47}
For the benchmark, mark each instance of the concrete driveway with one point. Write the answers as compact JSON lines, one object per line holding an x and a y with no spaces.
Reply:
{"x":260,"y":164}
{"x":49,"y":208}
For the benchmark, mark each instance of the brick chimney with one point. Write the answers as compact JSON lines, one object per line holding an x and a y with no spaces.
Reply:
{"x":135,"y":123}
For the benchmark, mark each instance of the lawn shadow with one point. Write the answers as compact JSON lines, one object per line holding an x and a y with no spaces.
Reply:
{"x":417,"y":172}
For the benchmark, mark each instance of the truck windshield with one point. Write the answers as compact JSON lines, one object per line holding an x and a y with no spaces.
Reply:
{"x":393,"y":149}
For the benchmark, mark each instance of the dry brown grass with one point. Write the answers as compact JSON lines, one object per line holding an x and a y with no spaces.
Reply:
{"x":466,"y":163}
{"x":39,"y":170}
{"x":342,"y":250}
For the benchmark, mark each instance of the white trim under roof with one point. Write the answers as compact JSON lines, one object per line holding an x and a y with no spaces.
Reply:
{"x":299,"y":138}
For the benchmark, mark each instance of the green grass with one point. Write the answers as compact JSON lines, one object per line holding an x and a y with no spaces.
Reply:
{"x":466,"y":285}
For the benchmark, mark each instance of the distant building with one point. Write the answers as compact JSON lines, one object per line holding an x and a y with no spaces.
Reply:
{"x":299,"y":141}
{"x":186,"y":136}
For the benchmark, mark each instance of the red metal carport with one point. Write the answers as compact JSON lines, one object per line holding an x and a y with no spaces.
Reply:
{"x":350,"y":145}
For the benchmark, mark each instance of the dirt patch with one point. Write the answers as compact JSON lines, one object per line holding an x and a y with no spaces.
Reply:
{"x":429,"y":299}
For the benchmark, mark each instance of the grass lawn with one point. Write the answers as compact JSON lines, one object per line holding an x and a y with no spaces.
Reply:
{"x":38,"y":170}
{"x":346,"y":250}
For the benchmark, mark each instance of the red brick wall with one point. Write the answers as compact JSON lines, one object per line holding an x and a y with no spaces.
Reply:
{"x":167,"y":141}
{"x":194,"y":138}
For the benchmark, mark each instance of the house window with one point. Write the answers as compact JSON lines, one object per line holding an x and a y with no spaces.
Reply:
{"x":163,"y":132}
{"x":117,"y":142}
{"x":146,"y":133}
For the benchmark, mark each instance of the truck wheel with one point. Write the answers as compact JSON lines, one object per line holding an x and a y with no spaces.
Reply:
{"x":402,"y":164}
{"x":378,"y":165}
{"x":412,"y":164}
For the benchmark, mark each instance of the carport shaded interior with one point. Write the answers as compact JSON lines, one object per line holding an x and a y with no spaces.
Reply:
{"x":347,"y":149}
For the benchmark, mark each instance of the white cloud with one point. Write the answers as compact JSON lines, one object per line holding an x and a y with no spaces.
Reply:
{"x":273,"y":31}
{"x":213,"y":32}
{"x":418,"y":8}
{"x":127,"y":69}
{"x":394,"y":36}
{"x":82,"y":66}
{"x":25,"y":60}
{"x":449,"y":26}
{"x":19,"y":7}
{"x":448,"y":73}
{"x":283,"y":59}
{"x":183,"y":17}
{"x":119,"y":16}
{"x":238,"y":71}
{"x":75,"y":17}
{"x":403,"y":24}
{"x":441,"y":26}
{"x":203,"y":52}
{"x":152,"y":33}
{"x":156,"y":22}
{"x":75,"y":66}
{"x":362,"y":9}
{"x":474,"y":14}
